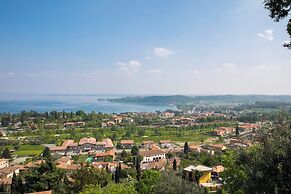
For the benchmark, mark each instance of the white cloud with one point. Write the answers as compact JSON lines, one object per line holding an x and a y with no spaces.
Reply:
{"x":130,"y":67}
{"x":162,"y":52}
{"x":11,"y":74}
{"x":155,"y":71}
{"x":196,"y":72}
{"x":148,"y":57}
{"x":265,"y":67}
{"x":267,"y":35}
{"x":230,"y":67}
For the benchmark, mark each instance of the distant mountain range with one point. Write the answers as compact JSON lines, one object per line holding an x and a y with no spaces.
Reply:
{"x":181,"y":99}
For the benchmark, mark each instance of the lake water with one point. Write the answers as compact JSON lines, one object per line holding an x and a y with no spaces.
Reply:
{"x":87,"y":103}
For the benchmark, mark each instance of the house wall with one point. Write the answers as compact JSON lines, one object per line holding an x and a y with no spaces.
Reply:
{"x":153,"y":158}
{"x":205,"y":177}
{"x":4,"y":164}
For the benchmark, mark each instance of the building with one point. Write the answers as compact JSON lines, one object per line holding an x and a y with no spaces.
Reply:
{"x":189,"y":173}
{"x":152,"y":155}
{"x":147,"y":144}
{"x":4,"y":163}
{"x":9,"y":171}
{"x":85,"y":144}
{"x":102,"y":156}
{"x":127,"y":144}
{"x":224,"y":131}
{"x":165,"y":143}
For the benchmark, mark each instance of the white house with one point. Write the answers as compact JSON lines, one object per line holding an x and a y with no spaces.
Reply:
{"x":152,"y":155}
{"x":4,"y":163}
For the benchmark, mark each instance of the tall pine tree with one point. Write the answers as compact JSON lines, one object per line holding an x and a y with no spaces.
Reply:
{"x":137,"y":167}
{"x":186,"y":148}
{"x":175,"y":164}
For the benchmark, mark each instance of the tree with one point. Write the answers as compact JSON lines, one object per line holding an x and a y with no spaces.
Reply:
{"x":236,"y":130}
{"x":6,"y":154}
{"x":120,"y":188}
{"x":46,"y":153}
{"x":186,"y":148}
{"x":147,"y":181}
{"x":171,"y":184}
{"x":117,"y":173}
{"x":123,"y":154}
{"x":17,"y":186}
{"x":89,"y":175}
{"x":279,"y":9}
{"x":134,"y":150}
{"x":266,"y":166}
{"x":137,"y":168}
{"x":175,"y":165}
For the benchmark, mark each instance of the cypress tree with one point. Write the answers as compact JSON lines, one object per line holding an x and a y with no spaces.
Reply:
{"x":117,"y":173}
{"x":46,"y":153}
{"x":186,"y":148}
{"x":6,"y":154}
{"x":137,"y":167}
{"x":175,"y":165}
{"x":236,"y":130}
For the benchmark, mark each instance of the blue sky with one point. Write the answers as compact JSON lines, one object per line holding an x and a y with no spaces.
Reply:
{"x":142,"y":47}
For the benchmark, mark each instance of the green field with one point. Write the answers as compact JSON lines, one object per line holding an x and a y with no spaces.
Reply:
{"x":29,"y":150}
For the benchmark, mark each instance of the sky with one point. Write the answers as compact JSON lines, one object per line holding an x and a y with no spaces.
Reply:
{"x":159,"y":47}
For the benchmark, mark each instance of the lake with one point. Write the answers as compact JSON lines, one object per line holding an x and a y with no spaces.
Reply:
{"x":88,"y":103}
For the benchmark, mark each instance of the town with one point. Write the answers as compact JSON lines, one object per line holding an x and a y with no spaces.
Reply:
{"x":179,"y":141}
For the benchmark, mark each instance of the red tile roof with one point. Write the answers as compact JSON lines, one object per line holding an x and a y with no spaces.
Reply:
{"x":88,"y":140}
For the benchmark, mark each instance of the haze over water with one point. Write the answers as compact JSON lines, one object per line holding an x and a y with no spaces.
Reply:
{"x":16,"y":103}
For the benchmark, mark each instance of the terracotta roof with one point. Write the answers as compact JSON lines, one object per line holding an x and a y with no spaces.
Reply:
{"x":34,"y":163}
{"x":147,"y":142}
{"x":68,"y":167}
{"x":127,"y":142}
{"x":67,"y":142}
{"x":107,"y":153}
{"x":57,"y":148}
{"x":8,"y":170}
{"x":89,"y":140}
{"x":154,"y":147}
{"x":165,"y":141}
{"x":5,"y":181}
{"x":218,"y":169}
{"x":42,"y":192}
{"x":108,"y":143}
{"x":155,"y":165}
{"x":73,"y":145}
{"x":64,"y":159}
{"x":151,"y":152}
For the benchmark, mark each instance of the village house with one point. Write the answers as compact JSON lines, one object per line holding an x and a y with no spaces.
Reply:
{"x":50,"y":125}
{"x":110,"y":166}
{"x":147,"y":144}
{"x":102,"y":156}
{"x":165,"y":143}
{"x":224,"y":131}
{"x":126,"y":144}
{"x":8,"y":172}
{"x":74,"y":124}
{"x":85,"y":144}
{"x":159,"y":165}
{"x":6,"y":184}
{"x":107,"y":124}
{"x":189,"y":173}
{"x":245,"y":127}
{"x":152,"y":155}
{"x":4,"y":163}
